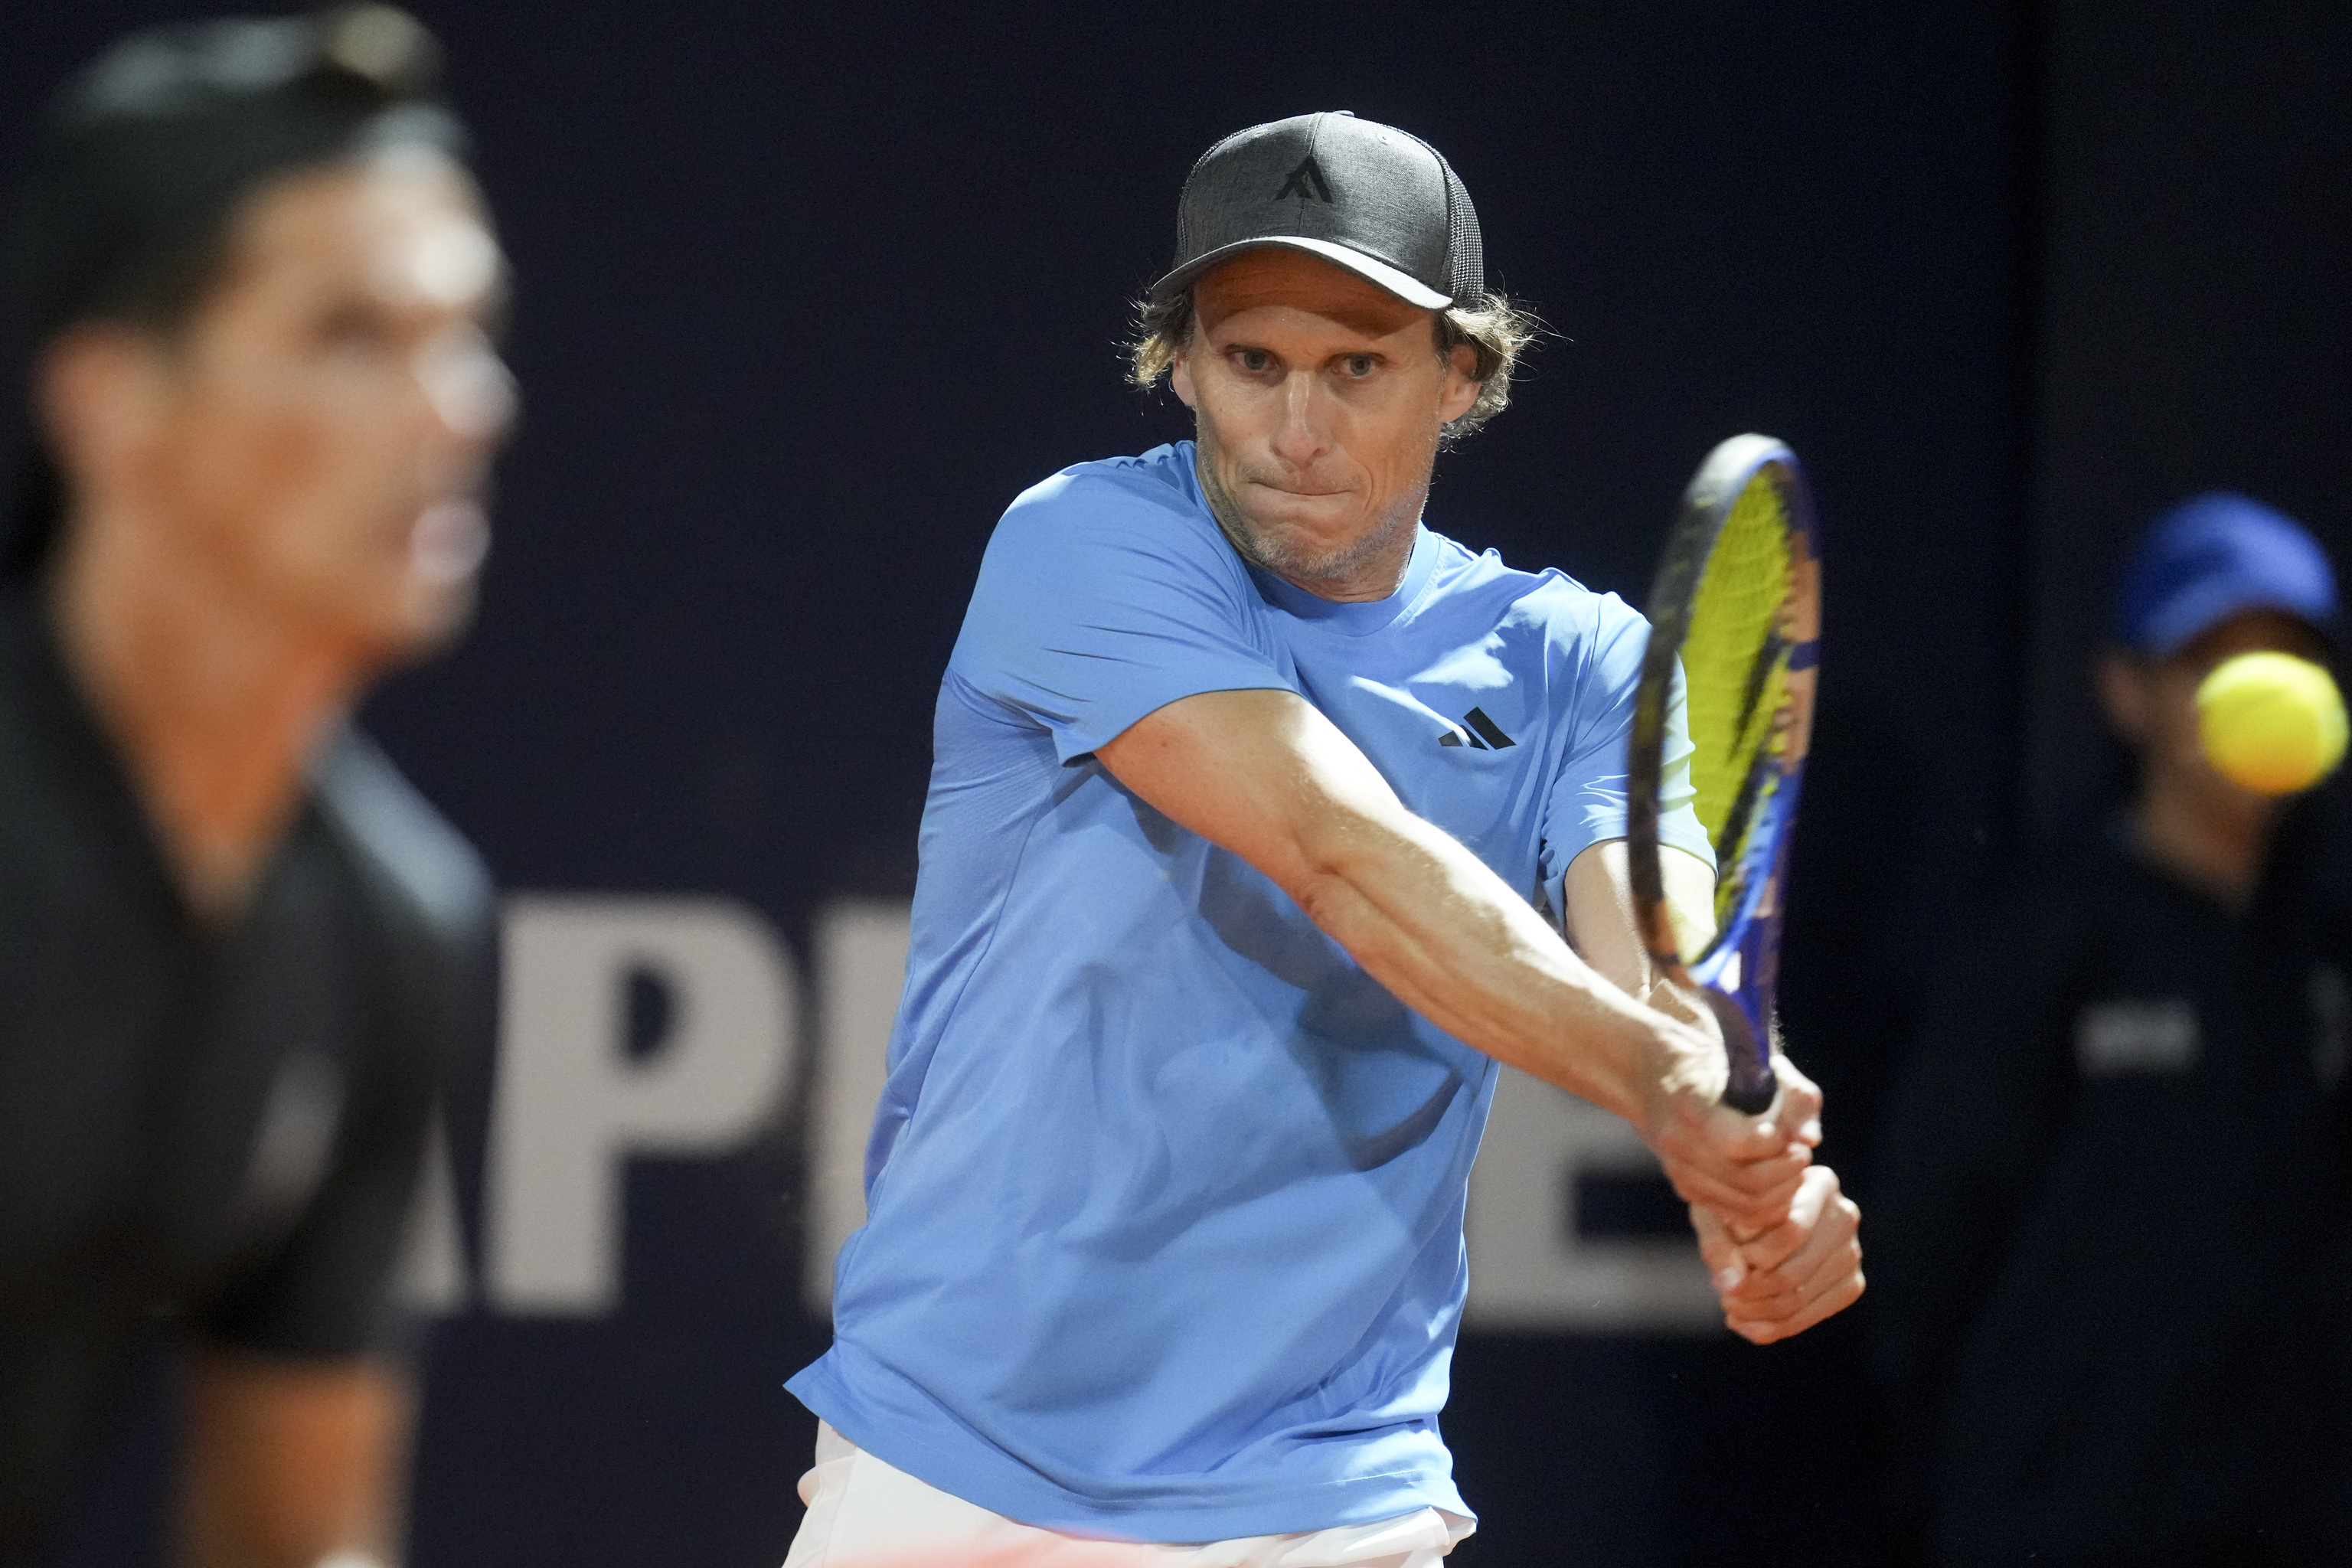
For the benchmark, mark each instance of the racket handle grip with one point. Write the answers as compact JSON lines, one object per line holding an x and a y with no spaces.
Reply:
{"x":1751,"y":1086}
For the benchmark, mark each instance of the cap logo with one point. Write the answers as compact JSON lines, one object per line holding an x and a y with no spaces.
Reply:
{"x":1307,"y":182}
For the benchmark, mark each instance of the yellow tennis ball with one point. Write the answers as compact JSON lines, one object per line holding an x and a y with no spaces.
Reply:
{"x":2271,"y":721}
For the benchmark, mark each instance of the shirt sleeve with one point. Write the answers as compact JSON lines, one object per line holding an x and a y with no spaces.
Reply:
{"x":1098,"y":603}
{"x":1587,"y":800}
{"x":328,"y":1289}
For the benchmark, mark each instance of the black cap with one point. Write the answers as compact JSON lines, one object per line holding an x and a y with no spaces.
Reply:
{"x":1374,"y":199}
{"x":145,"y":153}
{"x":146,"y":150}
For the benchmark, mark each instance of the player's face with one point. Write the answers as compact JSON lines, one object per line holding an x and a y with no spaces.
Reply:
{"x":2153,"y":705}
{"x":1319,"y":399}
{"x":324,"y":425}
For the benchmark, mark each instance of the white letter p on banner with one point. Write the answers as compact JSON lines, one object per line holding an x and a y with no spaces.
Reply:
{"x":572,"y":1106}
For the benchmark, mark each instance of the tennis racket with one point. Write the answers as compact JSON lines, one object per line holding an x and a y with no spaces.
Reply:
{"x":1735,"y":621}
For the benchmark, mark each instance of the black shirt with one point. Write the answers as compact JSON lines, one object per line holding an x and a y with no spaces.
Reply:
{"x":2108,"y":1240}
{"x":221,"y":1128}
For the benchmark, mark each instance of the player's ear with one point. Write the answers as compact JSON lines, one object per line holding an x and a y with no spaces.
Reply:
{"x":98,"y":389}
{"x":1462,"y":385}
{"x":1179,"y":378}
{"x":2122,"y":684}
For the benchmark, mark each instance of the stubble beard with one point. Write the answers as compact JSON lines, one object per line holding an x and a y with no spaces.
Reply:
{"x":1286,"y":558}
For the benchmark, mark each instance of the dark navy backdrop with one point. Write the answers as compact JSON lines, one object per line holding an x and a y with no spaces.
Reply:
{"x":804,"y":302}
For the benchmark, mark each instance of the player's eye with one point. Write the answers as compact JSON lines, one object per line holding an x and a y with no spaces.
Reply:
{"x":1255,"y":361}
{"x":1359,"y":366}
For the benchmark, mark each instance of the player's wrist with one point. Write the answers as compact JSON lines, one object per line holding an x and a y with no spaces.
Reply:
{"x":1678,"y":1068}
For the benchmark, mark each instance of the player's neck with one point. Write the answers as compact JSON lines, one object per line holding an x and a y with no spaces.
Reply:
{"x":214,"y":704}
{"x":2217,"y":845}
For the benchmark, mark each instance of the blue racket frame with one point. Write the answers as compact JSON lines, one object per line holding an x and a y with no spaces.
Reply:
{"x":1739,"y":972}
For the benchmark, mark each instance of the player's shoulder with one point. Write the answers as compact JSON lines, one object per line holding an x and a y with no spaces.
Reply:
{"x":1121,"y":510}
{"x":1158,"y":481}
{"x":62,"y":792}
{"x":1549,"y":603}
{"x":409,"y":854}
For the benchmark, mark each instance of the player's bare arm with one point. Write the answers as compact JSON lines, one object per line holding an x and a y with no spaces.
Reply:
{"x":1265,"y":775}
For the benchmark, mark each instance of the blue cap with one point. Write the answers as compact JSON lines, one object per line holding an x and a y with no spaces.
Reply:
{"x":2214,"y":556}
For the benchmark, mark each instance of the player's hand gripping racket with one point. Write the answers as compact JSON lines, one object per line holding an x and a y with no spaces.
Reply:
{"x":1738,"y":598}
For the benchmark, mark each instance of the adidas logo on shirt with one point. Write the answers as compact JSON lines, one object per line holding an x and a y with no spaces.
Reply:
{"x":1477,"y":731}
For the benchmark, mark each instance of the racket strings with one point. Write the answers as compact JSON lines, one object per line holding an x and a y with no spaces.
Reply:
{"x":1735,"y":665}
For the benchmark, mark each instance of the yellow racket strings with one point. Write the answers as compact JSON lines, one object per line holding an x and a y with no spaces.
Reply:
{"x":1735,"y":667}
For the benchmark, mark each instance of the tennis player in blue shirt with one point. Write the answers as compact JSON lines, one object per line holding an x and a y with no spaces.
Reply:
{"x":1259,"y":814}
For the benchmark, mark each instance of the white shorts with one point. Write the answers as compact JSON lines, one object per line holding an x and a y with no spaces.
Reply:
{"x":865,"y":1513}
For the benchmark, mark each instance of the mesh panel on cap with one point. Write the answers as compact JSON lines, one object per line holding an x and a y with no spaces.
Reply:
{"x":1465,"y":250}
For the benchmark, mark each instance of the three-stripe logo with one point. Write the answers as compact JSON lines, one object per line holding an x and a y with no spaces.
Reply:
{"x":1476,"y":732}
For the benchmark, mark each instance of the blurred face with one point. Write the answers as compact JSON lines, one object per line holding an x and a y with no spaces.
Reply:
{"x":2153,"y":705}
{"x":1319,"y":399}
{"x":320,"y":433}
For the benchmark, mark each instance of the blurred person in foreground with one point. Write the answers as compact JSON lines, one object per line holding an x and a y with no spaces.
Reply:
{"x":1264,"y":821}
{"x":2110,"y":1294}
{"x":253,"y":282}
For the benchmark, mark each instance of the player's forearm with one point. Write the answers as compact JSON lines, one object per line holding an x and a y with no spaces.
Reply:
{"x":1429,"y":920}
{"x":1264,"y":774}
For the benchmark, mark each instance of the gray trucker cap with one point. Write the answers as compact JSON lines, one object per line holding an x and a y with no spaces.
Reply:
{"x":1380,"y":202}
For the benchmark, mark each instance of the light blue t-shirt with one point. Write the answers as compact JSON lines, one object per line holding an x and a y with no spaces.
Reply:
{"x":1165,"y":1192}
